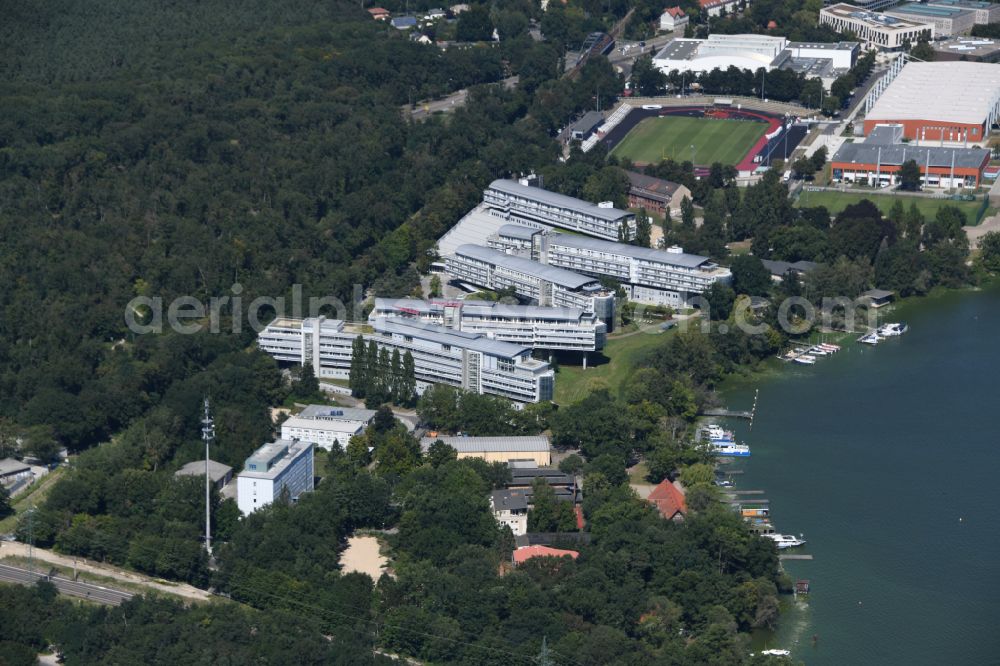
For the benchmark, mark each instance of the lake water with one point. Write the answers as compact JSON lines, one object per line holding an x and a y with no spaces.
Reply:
{"x":887,"y":460}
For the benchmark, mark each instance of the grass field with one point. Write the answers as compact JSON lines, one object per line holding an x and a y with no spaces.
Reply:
{"x":621,"y":354}
{"x":838,"y":201}
{"x":714,"y":140}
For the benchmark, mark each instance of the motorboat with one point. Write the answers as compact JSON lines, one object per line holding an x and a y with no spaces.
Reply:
{"x":872,"y":338}
{"x":818,"y":351}
{"x":731,"y":449}
{"x":892,"y":329}
{"x":805,"y":359}
{"x":783,"y":541}
{"x":829,"y":347}
{"x":717,"y":434}
{"x":775,"y":652}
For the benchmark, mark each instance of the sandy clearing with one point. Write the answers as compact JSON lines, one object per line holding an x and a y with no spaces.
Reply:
{"x":362,"y":556}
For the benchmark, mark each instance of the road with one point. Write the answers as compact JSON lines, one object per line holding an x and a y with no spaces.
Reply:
{"x":73,"y":588}
{"x":15,"y":549}
{"x":425,"y":108}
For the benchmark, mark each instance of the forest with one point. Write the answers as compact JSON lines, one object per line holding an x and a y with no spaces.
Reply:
{"x":168,"y":149}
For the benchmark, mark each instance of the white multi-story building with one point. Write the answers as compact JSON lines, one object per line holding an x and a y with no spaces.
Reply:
{"x":471,"y":361}
{"x":654,"y":277}
{"x":532,"y":326}
{"x":273,"y":469}
{"x":887,"y":33}
{"x":510,"y":508}
{"x":547,"y":286}
{"x":327,"y":426}
{"x":516,"y":201}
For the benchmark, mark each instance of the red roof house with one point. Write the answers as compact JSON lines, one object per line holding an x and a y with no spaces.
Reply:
{"x":379,"y":13}
{"x":522,"y":555}
{"x":668,"y":500}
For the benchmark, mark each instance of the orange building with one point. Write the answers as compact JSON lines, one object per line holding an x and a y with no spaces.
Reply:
{"x":956,"y":102}
{"x":877,"y":161}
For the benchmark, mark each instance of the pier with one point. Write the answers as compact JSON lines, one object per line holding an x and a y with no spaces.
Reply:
{"x":728,"y":413}
{"x":795,"y":557}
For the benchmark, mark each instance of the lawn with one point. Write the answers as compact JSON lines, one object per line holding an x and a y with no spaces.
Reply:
{"x":714,"y":140}
{"x":609,"y":371}
{"x":837,"y":201}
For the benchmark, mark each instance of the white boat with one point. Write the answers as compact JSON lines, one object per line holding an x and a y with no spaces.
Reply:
{"x":717,"y":434}
{"x":829,"y":347}
{"x":775,"y":652}
{"x":805,"y":359}
{"x":892,"y":329}
{"x":731,"y":449}
{"x":818,"y":351}
{"x":872,"y":338}
{"x":783,"y":541}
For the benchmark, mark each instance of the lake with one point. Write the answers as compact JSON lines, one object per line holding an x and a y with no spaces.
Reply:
{"x":886,"y":459}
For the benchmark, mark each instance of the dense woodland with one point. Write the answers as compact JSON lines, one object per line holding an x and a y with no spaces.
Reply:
{"x":161,"y":150}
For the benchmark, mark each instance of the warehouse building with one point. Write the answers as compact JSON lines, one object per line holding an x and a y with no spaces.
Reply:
{"x":552,"y":328}
{"x":886,"y":33}
{"x":946,"y":20}
{"x":471,"y":361}
{"x":281,"y":467}
{"x":325,"y":426}
{"x":525,"y":201}
{"x":542,"y":285}
{"x":753,"y":52}
{"x":655,"y":277}
{"x":497,"y":449}
{"x":877,"y":161}
{"x":956,"y":102}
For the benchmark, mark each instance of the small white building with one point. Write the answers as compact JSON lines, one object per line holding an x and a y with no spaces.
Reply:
{"x":673,"y":18}
{"x":327,"y":426}
{"x":271,"y":470}
{"x":510,"y":508}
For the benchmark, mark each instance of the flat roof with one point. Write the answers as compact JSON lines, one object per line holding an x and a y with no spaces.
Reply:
{"x":896,"y":154}
{"x":955,"y":91}
{"x":933,"y":11}
{"x":648,"y":254}
{"x":587,"y":122}
{"x":279,"y":454}
{"x":509,"y":500}
{"x":969,"y":46}
{"x":481,"y":308}
{"x":518,"y":231}
{"x":526,"y":444}
{"x":558,"y":200}
{"x":873,"y":19}
{"x":447,"y":336}
{"x":336,"y":413}
{"x":216,"y":470}
{"x":12,"y":466}
{"x":559,"y":276}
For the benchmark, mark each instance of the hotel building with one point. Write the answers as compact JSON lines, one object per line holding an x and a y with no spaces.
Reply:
{"x":654,"y":277}
{"x":532,"y":326}
{"x":471,"y":361}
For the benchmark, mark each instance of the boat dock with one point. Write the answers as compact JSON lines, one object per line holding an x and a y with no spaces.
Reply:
{"x":728,"y":413}
{"x":791,"y":556}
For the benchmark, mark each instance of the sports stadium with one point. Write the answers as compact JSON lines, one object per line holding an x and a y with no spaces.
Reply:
{"x":703,"y":135}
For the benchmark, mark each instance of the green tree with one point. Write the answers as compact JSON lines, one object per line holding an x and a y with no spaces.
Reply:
{"x":687,"y":213}
{"x":909,"y":176}
{"x":438,"y":453}
{"x":5,"y":508}
{"x":358,"y":377}
{"x":989,"y":251}
{"x":750,"y":277}
{"x":647,"y":78}
{"x":435,"y":286}
{"x":396,"y":377}
{"x":720,"y":298}
{"x":923,"y":51}
{"x":408,"y":383}
{"x":474,"y":24}
{"x":572,"y":464}
{"x":548,"y":513}
{"x":643,"y":229}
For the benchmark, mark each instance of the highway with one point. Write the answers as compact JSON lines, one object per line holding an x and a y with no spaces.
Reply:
{"x":73,"y":588}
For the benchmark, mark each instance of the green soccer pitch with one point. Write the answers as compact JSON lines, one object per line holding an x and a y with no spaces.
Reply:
{"x":671,"y":137}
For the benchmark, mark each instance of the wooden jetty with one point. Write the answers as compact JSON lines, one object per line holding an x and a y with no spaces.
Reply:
{"x":728,"y":413}
{"x":791,"y":556}
{"x":744,"y":492}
